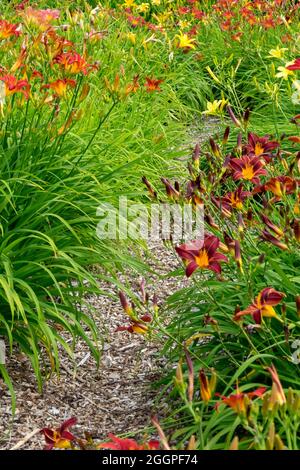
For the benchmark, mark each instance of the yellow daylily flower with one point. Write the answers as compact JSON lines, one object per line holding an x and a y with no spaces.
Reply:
{"x":215,"y":107}
{"x":183,"y":24}
{"x":184,"y":42}
{"x":143,"y":7}
{"x":129,"y":4}
{"x":283,"y":72}
{"x":155,"y":2}
{"x":278,"y":52}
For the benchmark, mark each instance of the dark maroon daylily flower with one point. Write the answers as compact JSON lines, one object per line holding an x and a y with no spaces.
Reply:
{"x":59,"y":438}
{"x":260,"y":146}
{"x":247,"y":168}
{"x":232,"y":200}
{"x":201,"y":254}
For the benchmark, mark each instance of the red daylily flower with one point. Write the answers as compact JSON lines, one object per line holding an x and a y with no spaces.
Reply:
{"x":13,"y":85}
{"x":295,"y":65}
{"x":72,"y":63}
{"x":60,"y":86}
{"x":262,"y":306}
{"x":59,"y":438}
{"x":232,"y":200}
{"x":8,"y":29}
{"x":117,"y":443}
{"x":152,"y":84}
{"x":247,"y":168}
{"x":260,"y":146}
{"x":239,"y":401}
{"x":201,"y":254}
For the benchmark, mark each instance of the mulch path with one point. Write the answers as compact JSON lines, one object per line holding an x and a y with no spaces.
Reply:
{"x":116,"y":398}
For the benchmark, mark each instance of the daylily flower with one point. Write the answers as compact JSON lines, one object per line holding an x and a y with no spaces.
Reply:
{"x":185,"y":42}
{"x":260,"y":146}
{"x":294,"y":65}
{"x":117,"y":443}
{"x":247,"y":168}
{"x":278,"y":52}
{"x":239,"y":401}
{"x":8,"y":29}
{"x":129,"y":3}
{"x":281,"y":185}
{"x":262,"y":306}
{"x":201,"y":254}
{"x":60,"y":86}
{"x":72,"y":62}
{"x":13,"y":85}
{"x":59,"y":438}
{"x":152,"y":84}
{"x":284,"y":72}
{"x":232,"y":200}
{"x":41,"y":18}
{"x":215,"y":107}
{"x":207,"y":387}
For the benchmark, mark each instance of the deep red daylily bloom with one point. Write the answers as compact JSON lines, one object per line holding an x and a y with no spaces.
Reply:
{"x":59,"y":438}
{"x":116,"y":443}
{"x":260,"y":146}
{"x":247,"y":168}
{"x":295,"y":65}
{"x":152,"y":84}
{"x":60,"y":86}
{"x":8,"y":29}
{"x":239,"y":401}
{"x":262,"y":306}
{"x":13,"y":85}
{"x":232,"y":200}
{"x":72,"y":63}
{"x":201,"y":254}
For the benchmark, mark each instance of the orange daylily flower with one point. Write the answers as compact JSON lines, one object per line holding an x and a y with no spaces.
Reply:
{"x":281,"y":185}
{"x":72,"y":63}
{"x":239,"y":401}
{"x":117,"y":443}
{"x":8,"y":29}
{"x":13,"y":85}
{"x":152,"y":84}
{"x":60,"y":86}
